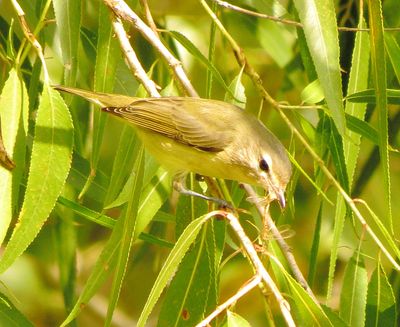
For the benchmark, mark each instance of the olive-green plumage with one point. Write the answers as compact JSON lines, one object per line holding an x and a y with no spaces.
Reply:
{"x":208,"y":137}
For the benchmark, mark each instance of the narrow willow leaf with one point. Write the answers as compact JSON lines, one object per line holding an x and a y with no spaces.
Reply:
{"x":354,"y":114}
{"x":127,"y":237}
{"x":362,"y":128}
{"x":308,"y":311}
{"x":14,"y":128}
{"x":312,"y":268}
{"x":235,"y":320}
{"x":393,"y":50}
{"x":189,"y":46}
{"x":171,"y":264}
{"x":381,"y":302}
{"x":328,"y":137}
{"x":320,"y":28}
{"x":152,"y":198}
{"x":68,"y":20}
{"x":358,"y":81}
{"x":10,"y":316}
{"x":104,"y":76}
{"x":101,"y":271}
{"x":188,"y":293}
{"x":65,"y":241}
{"x":379,"y":78}
{"x":368,"y":96}
{"x":109,"y":222}
{"x":49,"y":167}
{"x":78,"y":176}
{"x":353,"y":298}
{"x":122,"y":163}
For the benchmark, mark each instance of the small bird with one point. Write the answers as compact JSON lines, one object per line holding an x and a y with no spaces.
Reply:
{"x":208,"y":137}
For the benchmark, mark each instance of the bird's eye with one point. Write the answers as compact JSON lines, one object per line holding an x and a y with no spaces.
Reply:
{"x":264,"y":165}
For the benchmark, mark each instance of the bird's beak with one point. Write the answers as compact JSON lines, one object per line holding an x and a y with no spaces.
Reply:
{"x":280,"y":195}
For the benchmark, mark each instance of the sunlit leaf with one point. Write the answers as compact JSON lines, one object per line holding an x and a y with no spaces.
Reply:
{"x":49,"y":167}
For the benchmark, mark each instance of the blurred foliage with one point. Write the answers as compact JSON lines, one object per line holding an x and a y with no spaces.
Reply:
{"x":88,"y":219}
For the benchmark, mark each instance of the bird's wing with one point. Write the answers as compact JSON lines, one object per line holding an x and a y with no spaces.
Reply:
{"x":176,"y":118}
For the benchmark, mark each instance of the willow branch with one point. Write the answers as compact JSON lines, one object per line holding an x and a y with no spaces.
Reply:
{"x":149,"y":17}
{"x":259,"y":267}
{"x":122,"y":10}
{"x":132,"y":60}
{"x":285,"y":248}
{"x":31,"y":37}
{"x":242,"y":292}
{"x":285,"y":21}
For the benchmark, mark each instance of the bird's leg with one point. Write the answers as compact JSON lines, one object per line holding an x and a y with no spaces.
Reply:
{"x":179,"y":185}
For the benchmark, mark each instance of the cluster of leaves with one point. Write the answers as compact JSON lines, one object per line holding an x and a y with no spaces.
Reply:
{"x":49,"y":139}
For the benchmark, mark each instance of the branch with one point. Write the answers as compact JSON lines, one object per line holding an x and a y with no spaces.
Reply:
{"x":122,"y":10}
{"x":242,"y":291}
{"x":248,"y":12}
{"x":259,"y":267}
{"x":285,"y":248}
{"x":31,"y":37}
{"x":133,"y":61}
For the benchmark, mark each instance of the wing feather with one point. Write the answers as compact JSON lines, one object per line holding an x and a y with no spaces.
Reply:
{"x":176,"y":118}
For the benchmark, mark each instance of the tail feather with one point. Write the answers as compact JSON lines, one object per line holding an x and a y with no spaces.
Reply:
{"x":101,"y":99}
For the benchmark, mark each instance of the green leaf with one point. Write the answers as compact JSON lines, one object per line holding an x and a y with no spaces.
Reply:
{"x":187,"y":296}
{"x":152,"y":198}
{"x":393,"y":50}
{"x":312,"y":93}
{"x":353,"y":298}
{"x":14,"y":128}
{"x":379,"y":79}
{"x":368,"y":96}
{"x":328,"y":137}
{"x":109,"y":222}
{"x":381,"y":302}
{"x":101,"y":271}
{"x":104,"y":76}
{"x":362,"y":128}
{"x":126,"y":152}
{"x":10,"y":316}
{"x":189,"y":46}
{"x":239,"y":96}
{"x":308,"y":311}
{"x":127,"y":237}
{"x":276,"y":40}
{"x":68,"y":20}
{"x":49,"y":167}
{"x":235,"y":320}
{"x":320,"y":28}
{"x":171,"y":264}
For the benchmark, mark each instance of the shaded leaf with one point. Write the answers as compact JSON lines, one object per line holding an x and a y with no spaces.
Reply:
{"x":381,"y":302}
{"x":353,"y":297}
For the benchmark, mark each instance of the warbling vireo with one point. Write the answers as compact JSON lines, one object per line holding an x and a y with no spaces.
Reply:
{"x":208,"y":137}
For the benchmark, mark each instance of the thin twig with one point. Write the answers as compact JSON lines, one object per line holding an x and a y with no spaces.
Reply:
{"x":122,"y":10}
{"x":31,"y":37}
{"x":285,"y":248}
{"x":257,"y":14}
{"x":285,"y":21}
{"x":242,"y":291}
{"x":255,"y":77}
{"x":149,"y":17}
{"x":132,"y":59}
{"x":259,"y":267}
